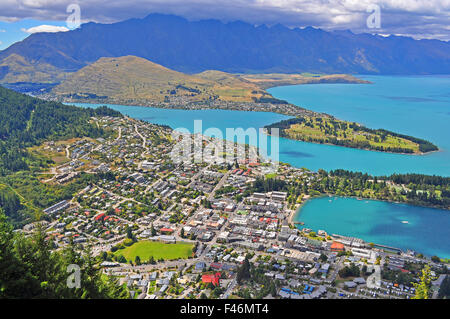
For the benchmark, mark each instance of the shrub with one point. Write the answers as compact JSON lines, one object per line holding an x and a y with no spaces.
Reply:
{"x":128,"y":242}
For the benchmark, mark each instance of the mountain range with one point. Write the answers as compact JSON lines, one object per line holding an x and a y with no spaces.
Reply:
{"x":236,"y":47}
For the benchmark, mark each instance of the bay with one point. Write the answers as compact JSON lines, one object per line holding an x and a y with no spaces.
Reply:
{"x":403,"y":226}
{"x":415,"y":105}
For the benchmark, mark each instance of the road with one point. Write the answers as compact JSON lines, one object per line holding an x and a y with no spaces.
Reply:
{"x":219,"y":185}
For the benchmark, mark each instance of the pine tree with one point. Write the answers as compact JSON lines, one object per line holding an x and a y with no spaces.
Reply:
{"x":30,"y":269}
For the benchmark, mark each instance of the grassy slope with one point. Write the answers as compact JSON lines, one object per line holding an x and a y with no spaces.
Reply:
{"x":132,"y":78}
{"x":349,"y":134}
{"x":230,"y":87}
{"x":20,"y":70}
{"x":146,"y":249}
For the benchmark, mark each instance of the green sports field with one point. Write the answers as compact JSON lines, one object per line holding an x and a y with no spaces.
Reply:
{"x":145,"y":249}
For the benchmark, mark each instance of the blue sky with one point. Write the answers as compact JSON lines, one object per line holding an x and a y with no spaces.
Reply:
{"x":415,"y":18}
{"x":11,"y":32}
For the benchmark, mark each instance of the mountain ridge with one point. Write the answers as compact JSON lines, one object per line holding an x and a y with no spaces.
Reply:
{"x":234,"y":47}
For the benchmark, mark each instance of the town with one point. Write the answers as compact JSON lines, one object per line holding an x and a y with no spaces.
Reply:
{"x":172,"y":227}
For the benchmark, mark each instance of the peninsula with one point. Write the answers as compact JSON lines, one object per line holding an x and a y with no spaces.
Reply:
{"x":131,"y":80}
{"x":328,"y":130}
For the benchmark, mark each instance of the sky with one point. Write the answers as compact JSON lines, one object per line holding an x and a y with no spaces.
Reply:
{"x":417,"y":18}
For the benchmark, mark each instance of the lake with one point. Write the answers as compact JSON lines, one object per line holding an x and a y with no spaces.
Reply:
{"x":417,"y":106}
{"x":426,"y":230}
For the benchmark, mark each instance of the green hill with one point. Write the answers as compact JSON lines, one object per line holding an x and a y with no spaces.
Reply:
{"x":333,"y":131}
{"x":133,"y":80}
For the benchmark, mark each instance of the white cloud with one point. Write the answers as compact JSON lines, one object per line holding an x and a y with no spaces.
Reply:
{"x":45,"y":28}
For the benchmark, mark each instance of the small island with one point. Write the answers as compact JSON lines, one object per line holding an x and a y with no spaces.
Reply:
{"x":329,"y":130}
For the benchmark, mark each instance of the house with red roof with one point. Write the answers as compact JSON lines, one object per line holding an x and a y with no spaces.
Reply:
{"x":166,"y":231}
{"x":335,"y":246}
{"x":99,"y":216}
{"x":212,"y":278}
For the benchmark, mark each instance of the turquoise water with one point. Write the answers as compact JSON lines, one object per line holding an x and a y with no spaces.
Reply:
{"x":184,"y":119}
{"x":417,"y":106}
{"x":381,"y":223}
{"x":174,"y":118}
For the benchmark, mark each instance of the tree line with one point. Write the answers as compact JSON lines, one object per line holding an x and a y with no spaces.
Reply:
{"x":30,"y":269}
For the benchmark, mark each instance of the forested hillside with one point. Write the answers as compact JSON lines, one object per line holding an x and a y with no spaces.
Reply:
{"x":26,"y":121}
{"x":30,"y":269}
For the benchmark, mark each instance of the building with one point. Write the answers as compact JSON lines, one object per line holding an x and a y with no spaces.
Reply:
{"x":167,"y":239}
{"x":212,"y":278}
{"x":337,"y":247}
{"x":200,"y":266}
{"x":259,"y":195}
{"x":363,"y":253}
{"x":57,"y":207}
{"x":223,"y":237}
{"x":166,"y":231}
{"x":279,"y":196}
{"x":324,"y":269}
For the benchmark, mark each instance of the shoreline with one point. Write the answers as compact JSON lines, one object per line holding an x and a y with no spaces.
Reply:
{"x":286,"y":108}
{"x":298,"y":211}
{"x":364,"y":149}
{"x":253,"y":110}
{"x":295,"y":213}
{"x":364,"y":198}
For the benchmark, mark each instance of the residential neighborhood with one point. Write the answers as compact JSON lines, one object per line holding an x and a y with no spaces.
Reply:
{"x":170,"y":228}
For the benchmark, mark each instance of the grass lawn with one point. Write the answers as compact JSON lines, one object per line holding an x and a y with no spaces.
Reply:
{"x":145,"y":249}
